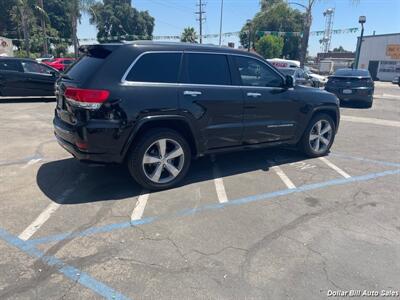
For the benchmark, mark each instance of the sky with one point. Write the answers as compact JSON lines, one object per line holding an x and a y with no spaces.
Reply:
{"x":171,"y":16}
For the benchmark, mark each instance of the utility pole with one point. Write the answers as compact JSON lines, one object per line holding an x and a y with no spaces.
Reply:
{"x":220,"y":22}
{"x":201,"y":11}
{"x":361,"y":20}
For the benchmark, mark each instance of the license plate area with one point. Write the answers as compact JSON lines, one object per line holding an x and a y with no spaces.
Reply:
{"x":347,"y":91}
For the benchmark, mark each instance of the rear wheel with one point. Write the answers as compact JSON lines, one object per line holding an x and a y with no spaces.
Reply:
{"x":160,"y":159}
{"x":318,"y":136}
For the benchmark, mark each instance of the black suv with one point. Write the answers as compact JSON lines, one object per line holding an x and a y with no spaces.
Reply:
{"x":154,"y":106}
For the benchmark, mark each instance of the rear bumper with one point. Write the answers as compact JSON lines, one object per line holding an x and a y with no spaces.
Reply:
{"x":70,"y":136}
{"x":362,"y":94}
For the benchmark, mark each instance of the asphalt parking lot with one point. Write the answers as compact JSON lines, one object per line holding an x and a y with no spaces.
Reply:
{"x":265,"y":224}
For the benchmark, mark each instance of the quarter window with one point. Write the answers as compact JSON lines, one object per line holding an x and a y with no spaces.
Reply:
{"x":156,"y":67}
{"x":207,"y":69}
{"x":254,"y":73}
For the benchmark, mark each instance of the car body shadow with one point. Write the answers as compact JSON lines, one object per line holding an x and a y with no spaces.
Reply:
{"x":69,"y":181}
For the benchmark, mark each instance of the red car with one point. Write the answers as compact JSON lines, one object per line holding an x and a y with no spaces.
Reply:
{"x":60,"y":63}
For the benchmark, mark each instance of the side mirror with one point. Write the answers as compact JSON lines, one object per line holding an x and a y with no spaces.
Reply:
{"x":54,"y":73}
{"x":289,"y":81}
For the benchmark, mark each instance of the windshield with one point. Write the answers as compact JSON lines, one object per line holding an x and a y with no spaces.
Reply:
{"x":351,"y":72}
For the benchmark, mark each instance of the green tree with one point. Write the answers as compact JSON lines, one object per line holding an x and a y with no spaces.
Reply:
{"x":8,"y":27}
{"x":276,"y":15}
{"x":117,"y":19}
{"x":59,"y":19}
{"x":189,"y":35}
{"x":74,"y":9}
{"x":25,"y":14}
{"x":269,"y":46}
{"x":340,"y":49}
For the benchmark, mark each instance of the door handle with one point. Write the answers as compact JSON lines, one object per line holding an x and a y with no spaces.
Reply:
{"x":192,"y":93}
{"x":254,"y":95}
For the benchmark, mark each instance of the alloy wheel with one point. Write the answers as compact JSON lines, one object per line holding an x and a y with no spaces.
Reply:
{"x":320,"y":136}
{"x":163,"y":161}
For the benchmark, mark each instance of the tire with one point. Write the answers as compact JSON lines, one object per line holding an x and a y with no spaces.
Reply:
{"x":308,"y":144}
{"x":157,"y":172}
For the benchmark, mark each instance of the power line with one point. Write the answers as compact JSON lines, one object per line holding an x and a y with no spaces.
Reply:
{"x":201,"y":18}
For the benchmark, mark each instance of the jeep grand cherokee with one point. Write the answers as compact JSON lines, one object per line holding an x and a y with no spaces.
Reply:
{"x":154,"y":106}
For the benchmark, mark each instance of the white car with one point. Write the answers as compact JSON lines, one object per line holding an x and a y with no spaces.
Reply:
{"x":320,"y":78}
{"x":44,"y":58}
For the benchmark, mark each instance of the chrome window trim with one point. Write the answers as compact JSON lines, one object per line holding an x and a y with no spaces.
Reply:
{"x":125,"y":82}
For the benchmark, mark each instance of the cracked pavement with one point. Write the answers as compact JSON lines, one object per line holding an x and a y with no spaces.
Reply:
{"x":295,"y":246}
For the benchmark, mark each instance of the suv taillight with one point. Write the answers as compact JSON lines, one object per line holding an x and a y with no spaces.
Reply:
{"x":85,"y":98}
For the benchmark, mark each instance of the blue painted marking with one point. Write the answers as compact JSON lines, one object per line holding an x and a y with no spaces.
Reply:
{"x":379,"y":162}
{"x":213,"y":206}
{"x":69,"y":271}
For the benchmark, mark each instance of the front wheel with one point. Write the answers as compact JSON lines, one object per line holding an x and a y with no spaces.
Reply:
{"x":318,"y":136}
{"x":160,"y":159}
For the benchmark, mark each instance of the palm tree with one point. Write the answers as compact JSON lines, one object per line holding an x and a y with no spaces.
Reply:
{"x":189,"y":35}
{"x":24,"y":12}
{"x":75,"y":7}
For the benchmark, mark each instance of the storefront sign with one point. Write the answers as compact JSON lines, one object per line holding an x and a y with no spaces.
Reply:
{"x":6,"y":47}
{"x":393,"y":51}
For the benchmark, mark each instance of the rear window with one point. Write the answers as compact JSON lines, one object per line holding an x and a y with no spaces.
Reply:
{"x":156,"y":67}
{"x":89,"y":63}
{"x":85,"y":67}
{"x":207,"y":69}
{"x":351,"y":72}
{"x":9,"y":65}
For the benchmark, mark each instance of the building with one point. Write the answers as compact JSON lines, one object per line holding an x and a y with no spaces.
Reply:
{"x":330,"y":61}
{"x":345,"y":56}
{"x":380,"y":54}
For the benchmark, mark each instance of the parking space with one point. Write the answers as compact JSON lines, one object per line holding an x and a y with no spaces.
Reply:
{"x":259,"y":224}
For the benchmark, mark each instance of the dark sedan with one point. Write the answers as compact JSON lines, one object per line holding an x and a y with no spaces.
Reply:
{"x":352,"y":85}
{"x":26,"y":78}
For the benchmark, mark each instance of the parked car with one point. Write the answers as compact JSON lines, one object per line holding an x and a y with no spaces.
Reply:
{"x":396,"y":80}
{"x":44,"y":58}
{"x":60,"y":63}
{"x":352,"y":85}
{"x":300,"y":76}
{"x":26,"y":78}
{"x":154,"y":106}
{"x":320,"y":80}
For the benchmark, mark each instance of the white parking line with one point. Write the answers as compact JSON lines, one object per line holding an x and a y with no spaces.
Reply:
{"x":219,"y":183}
{"x":31,"y":162}
{"x":221,"y":193}
{"x":335,"y":167}
{"x":46,"y":214}
{"x":137,"y":212}
{"x":40,"y":220}
{"x":283,"y":177}
{"x":370,"y":121}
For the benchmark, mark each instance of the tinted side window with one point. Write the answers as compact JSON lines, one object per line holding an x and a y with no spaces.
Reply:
{"x":9,"y":65}
{"x":207,"y":69}
{"x":33,"y":67}
{"x":156,"y":67}
{"x":255,"y":73}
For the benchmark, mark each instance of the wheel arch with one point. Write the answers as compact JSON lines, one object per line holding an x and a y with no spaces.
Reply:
{"x":331,"y":111}
{"x":175,"y":122}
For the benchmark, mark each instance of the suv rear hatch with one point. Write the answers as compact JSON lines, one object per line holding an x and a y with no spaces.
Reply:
{"x":74,"y":102}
